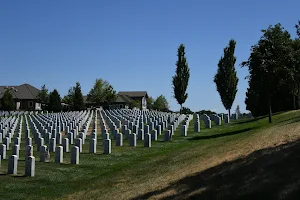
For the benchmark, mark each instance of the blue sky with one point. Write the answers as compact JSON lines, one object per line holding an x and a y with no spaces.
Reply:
{"x":133,"y":43}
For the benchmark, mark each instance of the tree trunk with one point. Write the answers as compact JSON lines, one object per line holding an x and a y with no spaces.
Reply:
{"x":270,"y":108}
{"x":294,"y":102}
{"x":298,"y":97}
{"x":298,"y":101}
{"x":180,"y":108}
{"x":229,"y":113}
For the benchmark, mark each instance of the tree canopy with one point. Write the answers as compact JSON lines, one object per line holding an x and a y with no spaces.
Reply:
{"x":7,"y":101}
{"x":181,"y":77}
{"x":78,"y":98}
{"x":186,"y":111}
{"x":269,"y":67}
{"x":43,"y":96}
{"x":150,"y":102}
{"x":102,"y":93}
{"x":161,"y":104}
{"x":54,"y":101}
{"x":69,"y":98}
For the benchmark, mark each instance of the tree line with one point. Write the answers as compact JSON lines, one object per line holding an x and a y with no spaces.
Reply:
{"x":102,"y":93}
{"x":274,"y":74}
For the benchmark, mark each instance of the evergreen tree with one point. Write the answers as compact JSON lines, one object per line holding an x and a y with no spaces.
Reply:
{"x":54,"y":101}
{"x":7,"y":101}
{"x":78,"y":98}
{"x":181,"y":78}
{"x":237,"y":110}
{"x":226,"y":79}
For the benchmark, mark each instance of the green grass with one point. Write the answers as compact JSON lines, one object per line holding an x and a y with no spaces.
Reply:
{"x":127,"y":169}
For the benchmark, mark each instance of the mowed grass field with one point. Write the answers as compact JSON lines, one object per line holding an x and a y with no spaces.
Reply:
{"x":246,"y":159}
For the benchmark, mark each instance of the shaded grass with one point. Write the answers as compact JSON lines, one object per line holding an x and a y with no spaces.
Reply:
{"x":132,"y":170}
{"x":271,"y":173}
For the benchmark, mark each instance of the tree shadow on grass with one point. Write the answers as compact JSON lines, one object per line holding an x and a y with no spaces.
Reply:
{"x":271,"y":173}
{"x":205,"y":137}
{"x":245,"y":121}
{"x":295,"y":120}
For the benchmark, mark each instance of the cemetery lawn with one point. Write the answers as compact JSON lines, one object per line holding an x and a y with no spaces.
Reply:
{"x":245,"y":158}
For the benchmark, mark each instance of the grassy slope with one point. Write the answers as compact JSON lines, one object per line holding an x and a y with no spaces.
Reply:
{"x":129,"y":172}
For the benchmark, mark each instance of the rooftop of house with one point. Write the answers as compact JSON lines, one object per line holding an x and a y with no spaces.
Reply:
{"x":24,"y":91}
{"x":133,"y":94}
{"x":125,"y":97}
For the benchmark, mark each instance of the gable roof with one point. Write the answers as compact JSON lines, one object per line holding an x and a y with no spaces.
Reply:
{"x":123,"y":99}
{"x":24,"y":91}
{"x":133,"y":94}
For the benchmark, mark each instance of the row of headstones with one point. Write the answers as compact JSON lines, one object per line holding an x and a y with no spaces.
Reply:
{"x":64,"y":125}
{"x":143,"y":115}
{"x":74,"y":132}
{"x":30,"y":159}
{"x":61,"y":120}
{"x":143,"y":119}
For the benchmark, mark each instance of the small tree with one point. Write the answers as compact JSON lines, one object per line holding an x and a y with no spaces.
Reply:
{"x":226,"y":79}
{"x":181,"y":78}
{"x":102,"y":92}
{"x":7,"y":101}
{"x":43,"y":96}
{"x":78,"y":98}
{"x":55,"y":101}
{"x":161,"y":104}
{"x":237,"y":110}
{"x":69,"y":98}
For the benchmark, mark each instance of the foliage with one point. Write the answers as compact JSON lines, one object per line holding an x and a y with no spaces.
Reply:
{"x":186,"y":111}
{"x":269,"y":66}
{"x":208,"y":112}
{"x":135,"y":104}
{"x":69,"y":98}
{"x":78,"y":98}
{"x":161,"y":104}
{"x":7,"y":101}
{"x":297,"y":26}
{"x":54,"y":101}
{"x":43,"y":96}
{"x":226,"y":79}
{"x":182,"y":76}
{"x":102,"y":93}
{"x":150,"y":102}
{"x":237,"y":110}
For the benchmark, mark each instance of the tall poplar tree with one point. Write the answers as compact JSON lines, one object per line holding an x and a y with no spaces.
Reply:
{"x":181,"y":78}
{"x":226,"y":79}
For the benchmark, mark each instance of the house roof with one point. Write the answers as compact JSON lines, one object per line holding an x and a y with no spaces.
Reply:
{"x":123,"y":99}
{"x":24,"y":91}
{"x":133,"y":94}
